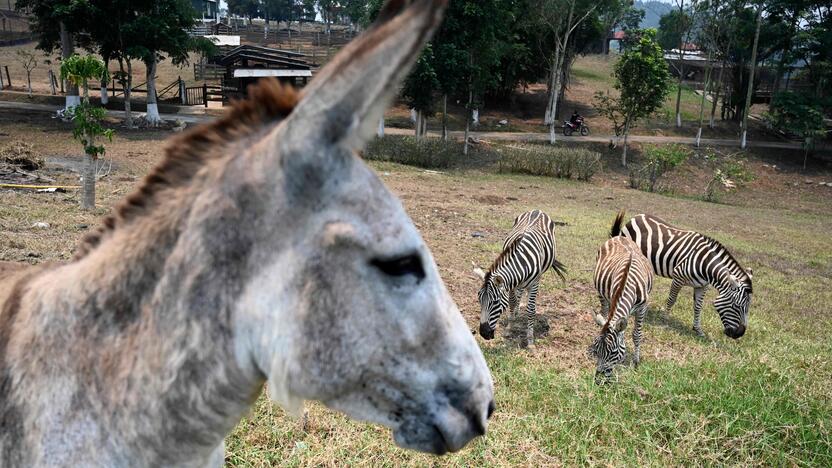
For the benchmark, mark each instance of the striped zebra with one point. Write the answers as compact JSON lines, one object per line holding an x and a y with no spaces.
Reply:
{"x":623,"y":278}
{"x":528,"y":252}
{"x":692,"y":259}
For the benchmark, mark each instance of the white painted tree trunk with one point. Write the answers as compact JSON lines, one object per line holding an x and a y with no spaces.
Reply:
{"x":88,"y":183}
{"x":475,"y":117}
{"x":105,"y":98}
{"x":152,"y":107}
{"x":413,"y":115}
{"x":445,"y":117}
{"x":67,"y":49}
{"x":626,"y":135}
{"x":380,"y":131}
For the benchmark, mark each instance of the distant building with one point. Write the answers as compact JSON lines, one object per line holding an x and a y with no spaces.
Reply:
{"x":208,"y":9}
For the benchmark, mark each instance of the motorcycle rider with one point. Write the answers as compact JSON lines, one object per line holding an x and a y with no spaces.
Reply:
{"x":576,"y":119}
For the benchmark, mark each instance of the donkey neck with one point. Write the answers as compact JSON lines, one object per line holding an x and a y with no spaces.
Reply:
{"x":149,"y":341}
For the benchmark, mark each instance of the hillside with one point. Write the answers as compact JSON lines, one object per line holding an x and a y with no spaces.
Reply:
{"x":653,"y":11}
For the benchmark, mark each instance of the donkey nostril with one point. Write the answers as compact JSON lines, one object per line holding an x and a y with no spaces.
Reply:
{"x":491,"y":408}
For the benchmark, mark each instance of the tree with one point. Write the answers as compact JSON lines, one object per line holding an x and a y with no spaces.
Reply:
{"x":797,"y":114}
{"x":79,"y":70}
{"x":56,"y":23}
{"x":419,"y":88}
{"x":29,"y":62}
{"x":161,"y":27}
{"x":642,"y":80}
{"x":672,"y":27}
{"x":245,"y":8}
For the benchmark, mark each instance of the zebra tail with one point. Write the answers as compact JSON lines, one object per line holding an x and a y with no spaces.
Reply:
{"x":615,"y":231}
{"x":560,"y":269}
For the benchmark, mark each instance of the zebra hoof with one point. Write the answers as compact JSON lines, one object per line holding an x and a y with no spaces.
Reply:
{"x":699,"y":332}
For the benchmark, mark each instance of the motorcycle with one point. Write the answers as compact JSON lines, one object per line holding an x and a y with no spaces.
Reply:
{"x":579,"y":126}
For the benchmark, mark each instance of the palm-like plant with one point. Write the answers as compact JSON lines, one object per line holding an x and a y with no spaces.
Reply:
{"x":79,"y":70}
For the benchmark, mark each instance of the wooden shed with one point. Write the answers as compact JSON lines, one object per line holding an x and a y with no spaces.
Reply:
{"x":246,"y":64}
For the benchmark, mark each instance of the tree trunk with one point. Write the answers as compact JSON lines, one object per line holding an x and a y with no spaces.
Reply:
{"x":380,"y":131}
{"x":418,"y":124}
{"x":445,"y":117}
{"x":152,"y":107}
{"x":67,"y":49}
{"x":468,"y":117}
{"x":128,"y":94}
{"x":679,"y":100}
{"x":626,"y":134}
{"x":104,"y":96}
{"x":88,"y":183}
{"x":750,"y":91}
{"x":29,"y":82}
{"x":705,"y":87}
{"x":719,"y":85}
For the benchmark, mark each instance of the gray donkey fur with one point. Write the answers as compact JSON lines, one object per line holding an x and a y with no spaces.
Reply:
{"x":261,"y":249}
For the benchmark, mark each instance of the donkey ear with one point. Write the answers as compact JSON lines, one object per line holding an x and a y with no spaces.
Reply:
{"x":343,"y":104}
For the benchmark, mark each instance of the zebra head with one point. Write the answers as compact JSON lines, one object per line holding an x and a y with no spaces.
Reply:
{"x":608,"y":349}
{"x":493,"y":298}
{"x":732,"y":305}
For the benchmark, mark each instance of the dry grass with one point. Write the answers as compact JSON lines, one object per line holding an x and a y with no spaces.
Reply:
{"x":763,"y":400}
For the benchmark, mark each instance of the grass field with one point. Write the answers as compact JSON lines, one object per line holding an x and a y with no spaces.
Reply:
{"x":762,"y":400}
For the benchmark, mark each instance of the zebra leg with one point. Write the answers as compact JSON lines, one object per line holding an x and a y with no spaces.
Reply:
{"x":531,"y":306}
{"x":698,"y":298}
{"x":639,"y":313}
{"x":674,"y":294}
{"x":514,"y":301}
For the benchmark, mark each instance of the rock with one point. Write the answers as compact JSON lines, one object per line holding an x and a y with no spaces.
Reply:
{"x":503,"y":122}
{"x":41,"y":225}
{"x":477,"y":234}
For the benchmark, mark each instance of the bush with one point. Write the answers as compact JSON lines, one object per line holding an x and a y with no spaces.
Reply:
{"x":729,"y":173}
{"x":658,"y":160}
{"x":563,"y":163}
{"x":430,"y":153}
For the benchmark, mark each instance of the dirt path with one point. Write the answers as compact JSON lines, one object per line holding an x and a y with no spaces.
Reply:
{"x":194,"y":118}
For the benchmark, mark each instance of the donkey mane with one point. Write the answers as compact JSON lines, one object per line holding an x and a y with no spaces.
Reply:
{"x":268,"y":102}
{"x":618,"y":292}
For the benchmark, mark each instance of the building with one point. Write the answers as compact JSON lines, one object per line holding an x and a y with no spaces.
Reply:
{"x":209,"y":10}
{"x":246,"y":64}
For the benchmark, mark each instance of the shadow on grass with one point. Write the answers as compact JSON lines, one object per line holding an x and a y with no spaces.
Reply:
{"x":660,"y":318}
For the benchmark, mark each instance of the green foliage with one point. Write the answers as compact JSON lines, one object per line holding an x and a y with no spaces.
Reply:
{"x":642,"y":78}
{"x":730,"y":172}
{"x":80,"y":69}
{"x":672,"y":26}
{"x":87,"y":118}
{"x":658,"y":161}
{"x":796,"y":114}
{"x":429,"y":153}
{"x":420,"y":85}
{"x":560,"y":162}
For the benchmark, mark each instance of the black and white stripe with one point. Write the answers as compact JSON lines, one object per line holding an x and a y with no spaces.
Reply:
{"x":623,"y":279}
{"x":528,"y":252}
{"x":692,"y":259}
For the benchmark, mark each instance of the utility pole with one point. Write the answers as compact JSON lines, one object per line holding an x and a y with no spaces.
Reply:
{"x":750,"y":91}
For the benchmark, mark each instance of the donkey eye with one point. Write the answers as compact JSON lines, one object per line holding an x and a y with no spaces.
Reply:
{"x":401,"y":266}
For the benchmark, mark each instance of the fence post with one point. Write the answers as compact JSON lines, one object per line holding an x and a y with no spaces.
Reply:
{"x":205,"y":94}
{"x":182,"y":91}
{"x":1,"y":82}
{"x":8,"y":77}
{"x":51,"y":81}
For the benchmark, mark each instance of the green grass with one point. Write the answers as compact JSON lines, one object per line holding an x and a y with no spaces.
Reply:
{"x":762,"y":400}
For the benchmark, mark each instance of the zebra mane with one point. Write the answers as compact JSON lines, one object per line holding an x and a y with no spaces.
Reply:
{"x":726,"y":254}
{"x":505,"y":253}
{"x":619,"y":291}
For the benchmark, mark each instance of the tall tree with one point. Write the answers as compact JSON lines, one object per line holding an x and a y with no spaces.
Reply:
{"x":57,"y":24}
{"x":642,"y":80}
{"x":418,"y":90}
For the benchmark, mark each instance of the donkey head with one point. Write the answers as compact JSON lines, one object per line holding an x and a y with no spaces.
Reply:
{"x":346,"y":306}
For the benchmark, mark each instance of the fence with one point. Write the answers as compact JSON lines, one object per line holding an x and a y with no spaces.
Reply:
{"x":202,"y":95}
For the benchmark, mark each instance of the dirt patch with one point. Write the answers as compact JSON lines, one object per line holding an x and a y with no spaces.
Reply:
{"x":491,"y":199}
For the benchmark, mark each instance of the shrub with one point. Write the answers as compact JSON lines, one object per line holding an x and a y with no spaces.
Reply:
{"x":430,"y":153}
{"x":659,"y":160}
{"x":729,"y":173}
{"x":563,"y":163}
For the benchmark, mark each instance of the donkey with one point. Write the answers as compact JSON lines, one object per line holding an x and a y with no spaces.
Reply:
{"x":261,"y":249}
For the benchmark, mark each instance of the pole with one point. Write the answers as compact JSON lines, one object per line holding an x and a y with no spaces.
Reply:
{"x":750,"y":91}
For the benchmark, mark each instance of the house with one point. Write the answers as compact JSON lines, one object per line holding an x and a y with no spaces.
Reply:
{"x":207,"y":9}
{"x":246,"y":64}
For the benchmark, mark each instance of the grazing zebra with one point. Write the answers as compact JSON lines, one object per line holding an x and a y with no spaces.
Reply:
{"x":692,"y":259}
{"x":623,"y":278}
{"x":527,"y":253}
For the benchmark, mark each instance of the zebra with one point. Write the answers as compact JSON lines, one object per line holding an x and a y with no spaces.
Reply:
{"x":696,"y":260}
{"x":528,"y":252}
{"x":623,"y":278}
